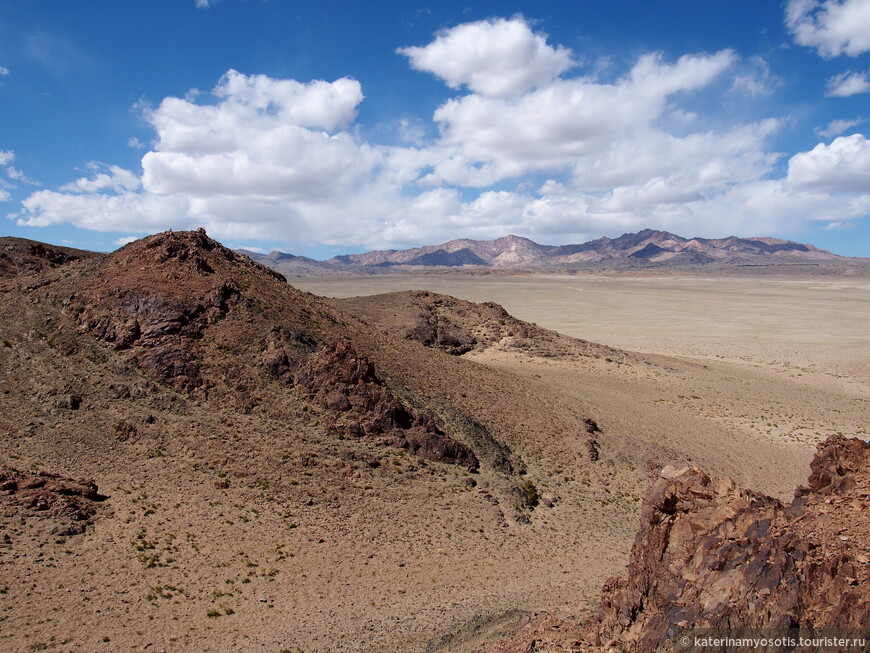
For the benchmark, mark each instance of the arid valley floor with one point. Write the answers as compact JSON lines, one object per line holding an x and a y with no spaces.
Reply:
{"x":238,"y":519}
{"x":777,"y":362}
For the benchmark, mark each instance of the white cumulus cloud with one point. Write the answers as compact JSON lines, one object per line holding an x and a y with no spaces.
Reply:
{"x":842,"y":166}
{"x":846,"y":84}
{"x":497,"y":138}
{"x":112,"y":178}
{"x":265,"y":137}
{"x":493,"y":57}
{"x":700,"y":162}
{"x":268,"y":152}
{"x":832,"y":27}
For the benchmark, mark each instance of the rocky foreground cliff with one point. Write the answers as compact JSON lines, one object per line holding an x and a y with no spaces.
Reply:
{"x":711,"y":555}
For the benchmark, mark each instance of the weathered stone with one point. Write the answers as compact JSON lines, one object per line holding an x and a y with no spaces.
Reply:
{"x":69,"y":505}
{"x":342,"y":380}
{"x":711,"y":555}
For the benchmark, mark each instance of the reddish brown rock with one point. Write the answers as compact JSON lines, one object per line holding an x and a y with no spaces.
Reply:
{"x":711,"y":555}
{"x":158,"y":310}
{"x":68,"y":505}
{"x":341,"y":379}
{"x":284,"y":352}
{"x":19,"y":256}
{"x":838,"y":467}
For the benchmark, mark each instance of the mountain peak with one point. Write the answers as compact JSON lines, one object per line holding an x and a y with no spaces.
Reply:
{"x":645,"y":248}
{"x":170,"y":253}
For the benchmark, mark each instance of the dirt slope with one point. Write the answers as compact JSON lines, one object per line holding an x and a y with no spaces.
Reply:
{"x":274,"y":472}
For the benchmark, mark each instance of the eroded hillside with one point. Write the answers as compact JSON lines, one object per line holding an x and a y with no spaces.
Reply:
{"x":273,"y":472}
{"x":189,"y":442}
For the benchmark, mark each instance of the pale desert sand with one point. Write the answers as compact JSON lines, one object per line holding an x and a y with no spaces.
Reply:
{"x":812,"y":320}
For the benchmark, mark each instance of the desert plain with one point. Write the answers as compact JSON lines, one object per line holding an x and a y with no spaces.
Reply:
{"x":741,"y":375}
{"x":777,"y":362}
{"x":260,"y":531}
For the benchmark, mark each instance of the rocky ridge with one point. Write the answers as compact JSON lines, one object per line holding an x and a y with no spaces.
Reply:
{"x":134,"y":301}
{"x":711,"y":555}
{"x":457,"y":326}
{"x":21,"y":256}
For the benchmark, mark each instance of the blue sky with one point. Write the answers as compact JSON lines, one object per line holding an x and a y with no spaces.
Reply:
{"x":333,"y":127}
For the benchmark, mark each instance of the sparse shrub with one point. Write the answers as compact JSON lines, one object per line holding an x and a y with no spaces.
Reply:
{"x":529,"y":494}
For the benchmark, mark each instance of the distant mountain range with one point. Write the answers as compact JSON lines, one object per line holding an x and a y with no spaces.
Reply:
{"x":645,"y":249}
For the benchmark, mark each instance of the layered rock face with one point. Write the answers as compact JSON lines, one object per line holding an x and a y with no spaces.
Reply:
{"x":711,"y":555}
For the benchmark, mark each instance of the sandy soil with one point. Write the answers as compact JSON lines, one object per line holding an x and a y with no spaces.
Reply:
{"x":307,"y":548}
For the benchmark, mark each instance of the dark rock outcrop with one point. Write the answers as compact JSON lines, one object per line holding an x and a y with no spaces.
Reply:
{"x":711,"y":555}
{"x":69,"y":506}
{"x":341,"y":379}
{"x":19,"y":256}
{"x":434,"y":331}
{"x":592,"y":444}
{"x":156,"y":299}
